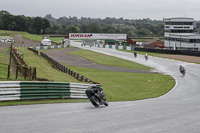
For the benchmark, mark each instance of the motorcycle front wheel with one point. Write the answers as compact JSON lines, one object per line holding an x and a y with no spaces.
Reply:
{"x":95,"y":101}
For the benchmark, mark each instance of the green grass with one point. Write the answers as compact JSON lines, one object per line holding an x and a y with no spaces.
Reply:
{"x":32,"y":37}
{"x":3,"y":62}
{"x":10,"y":33}
{"x":44,"y":69}
{"x":108,"y":60}
{"x":122,"y":86}
{"x":25,"y":35}
{"x":56,"y":39}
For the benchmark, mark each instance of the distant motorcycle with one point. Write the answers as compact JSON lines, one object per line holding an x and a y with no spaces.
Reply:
{"x":96,"y":96}
{"x":135,"y":54}
{"x":146,"y":56}
{"x":183,"y":72}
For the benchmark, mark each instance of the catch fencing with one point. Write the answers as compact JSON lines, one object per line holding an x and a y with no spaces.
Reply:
{"x":21,"y":90}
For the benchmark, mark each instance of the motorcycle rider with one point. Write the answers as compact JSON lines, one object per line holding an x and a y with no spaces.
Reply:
{"x":146,"y":56}
{"x":135,"y":54}
{"x":99,"y":91}
{"x":181,"y":68}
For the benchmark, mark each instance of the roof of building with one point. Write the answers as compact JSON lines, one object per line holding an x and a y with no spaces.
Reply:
{"x":184,"y":34}
{"x":180,"y":19}
{"x":151,"y":41}
{"x":6,"y":37}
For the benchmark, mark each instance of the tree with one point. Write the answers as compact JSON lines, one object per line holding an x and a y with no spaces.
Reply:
{"x":94,"y":28}
{"x":72,"y":29}
{"x":45,"y":25}
{"x":37,"y":24}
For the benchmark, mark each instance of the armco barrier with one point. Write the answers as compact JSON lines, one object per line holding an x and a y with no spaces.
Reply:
{"x":21,"y":90}
{"x":49,"y":47}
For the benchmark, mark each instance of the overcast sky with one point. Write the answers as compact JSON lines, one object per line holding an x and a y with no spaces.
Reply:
{"x":128,"y":9}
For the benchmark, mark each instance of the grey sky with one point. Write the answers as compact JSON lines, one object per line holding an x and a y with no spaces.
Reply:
{"x":130,"y":9}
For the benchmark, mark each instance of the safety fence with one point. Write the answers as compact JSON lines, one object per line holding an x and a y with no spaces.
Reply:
{"x":21,"y":90}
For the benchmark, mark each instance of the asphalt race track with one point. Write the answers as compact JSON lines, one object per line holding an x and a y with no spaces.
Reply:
{"x":176,"y":112}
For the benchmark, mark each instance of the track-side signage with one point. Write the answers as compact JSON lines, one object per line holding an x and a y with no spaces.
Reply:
{"x":97,"y":36}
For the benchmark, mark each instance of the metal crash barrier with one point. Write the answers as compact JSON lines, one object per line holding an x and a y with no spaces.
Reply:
{"x":21,"y":90}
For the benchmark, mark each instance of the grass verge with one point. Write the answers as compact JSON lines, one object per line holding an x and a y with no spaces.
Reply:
{"x":108,"y":60}
{"x":44,"y":69}
{"x":123,"y":86}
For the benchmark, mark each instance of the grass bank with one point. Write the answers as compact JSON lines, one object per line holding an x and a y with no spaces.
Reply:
{"x":44,"y":69}
{"x":123,"y":86}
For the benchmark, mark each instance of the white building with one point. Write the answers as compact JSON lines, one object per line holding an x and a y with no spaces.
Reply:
{"x":45,"y":42}
{"x":180,"y":34}
{"x":6,"y":39}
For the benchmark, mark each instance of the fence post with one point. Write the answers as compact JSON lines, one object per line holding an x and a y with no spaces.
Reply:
{"x":16,"y":72}
{"x":25,"y":72}
{"x":34,"y":73}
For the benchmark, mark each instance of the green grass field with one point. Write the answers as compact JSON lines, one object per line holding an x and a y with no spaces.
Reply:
{"x":44,"y":69}
{"x":10,"y":33}
{"x":122,"y":86}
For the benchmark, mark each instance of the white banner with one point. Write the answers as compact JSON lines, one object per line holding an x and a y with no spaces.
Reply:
{"x":97,"y":36}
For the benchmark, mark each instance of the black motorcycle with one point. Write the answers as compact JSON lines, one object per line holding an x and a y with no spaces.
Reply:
{"x":96,"y":96}
{"x":146,"y":57}
{"x":183,"y":72}
{"x":135,"y":54}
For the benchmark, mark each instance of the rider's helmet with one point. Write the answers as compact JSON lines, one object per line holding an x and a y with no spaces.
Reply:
{"x":180,"y":65}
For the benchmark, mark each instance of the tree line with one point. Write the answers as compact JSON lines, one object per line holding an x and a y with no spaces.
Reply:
{"x":35,"y":25}
{"x":66,"y":25}
{"x":133,"y":28}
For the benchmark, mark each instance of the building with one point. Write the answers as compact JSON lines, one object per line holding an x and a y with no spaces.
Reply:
{"x":6,"y":39}
{"x":180,"y":34}
{"x":154,"y":43}
{"x":45,"y":42}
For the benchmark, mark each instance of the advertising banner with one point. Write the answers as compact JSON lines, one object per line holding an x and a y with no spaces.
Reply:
{"x":97,"y":36}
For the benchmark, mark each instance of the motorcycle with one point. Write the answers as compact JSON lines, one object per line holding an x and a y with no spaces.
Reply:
{"x":96,"y":96}
{"x":135,"y":54}
{"x":146,"y":57}
{"x":183,"y":72}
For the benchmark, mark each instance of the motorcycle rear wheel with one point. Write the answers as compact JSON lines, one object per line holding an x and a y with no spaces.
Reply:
{"x":106,"y":103}
{"x":95,"y":101}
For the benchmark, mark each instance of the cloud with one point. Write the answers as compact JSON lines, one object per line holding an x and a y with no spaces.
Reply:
{"x":131,"y":9}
